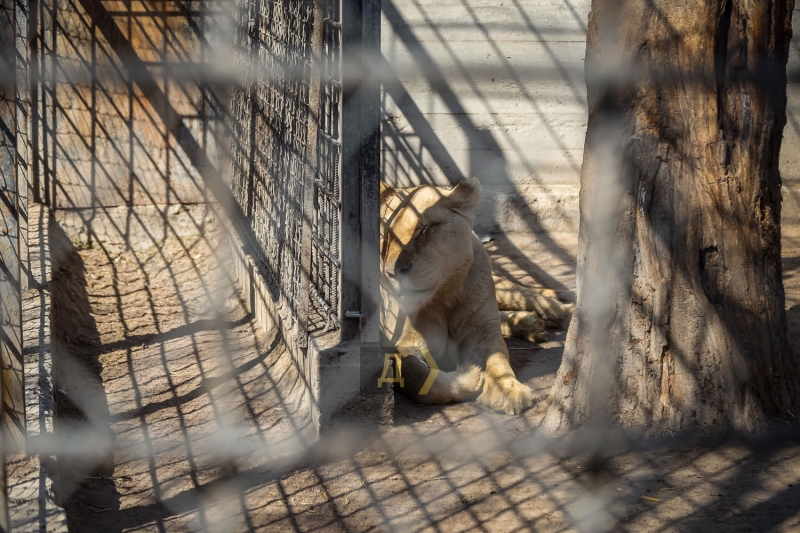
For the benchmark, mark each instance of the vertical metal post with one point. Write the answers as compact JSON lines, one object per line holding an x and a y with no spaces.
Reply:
{"x":34,"y":72}
{"x":13,"y":249}
{"x":361,"y":42}
{"x":353,"y":74}
{"x":13,"y":171}
{"x":374,"y":378}
{"x":6,"y":173}
{"x":313,"y":125}
{"x":370,"y":171}
{"x":24,"y":151}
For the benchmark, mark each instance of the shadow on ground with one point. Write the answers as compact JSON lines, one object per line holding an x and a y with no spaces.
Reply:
{"x":185,"y":417}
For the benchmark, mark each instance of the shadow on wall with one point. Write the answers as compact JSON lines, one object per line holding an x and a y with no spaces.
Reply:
{"x":125,"y":115}
{"x":497,"y":92}
{"x":484,"y":91}
{"x":790,"y":156}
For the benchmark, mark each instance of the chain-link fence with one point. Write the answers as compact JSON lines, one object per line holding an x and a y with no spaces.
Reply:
{"x":286,"y":153}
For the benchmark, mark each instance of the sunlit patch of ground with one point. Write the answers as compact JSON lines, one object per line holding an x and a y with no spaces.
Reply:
{"x":208,"y":432}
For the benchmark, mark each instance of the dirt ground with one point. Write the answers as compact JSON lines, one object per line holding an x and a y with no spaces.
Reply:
{"x":182,"y":417}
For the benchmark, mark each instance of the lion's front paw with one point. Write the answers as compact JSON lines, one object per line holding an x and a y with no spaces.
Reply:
{"x":507,"y":395}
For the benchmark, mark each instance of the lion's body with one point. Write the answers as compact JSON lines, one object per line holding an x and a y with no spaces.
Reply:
{"x":526,"y":312}
{"x":438,"y":294}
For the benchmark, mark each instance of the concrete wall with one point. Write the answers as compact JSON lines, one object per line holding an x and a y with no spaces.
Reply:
{"x":790,"y":151}
{"x":124,"y":117}
{"x":13,"y":209}
{"x":495,"y":89}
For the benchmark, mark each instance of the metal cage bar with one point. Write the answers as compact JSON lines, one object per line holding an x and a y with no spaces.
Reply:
{"x":299,"y":157}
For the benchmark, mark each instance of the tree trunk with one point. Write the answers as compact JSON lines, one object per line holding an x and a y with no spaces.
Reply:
{"x":680,"y":318}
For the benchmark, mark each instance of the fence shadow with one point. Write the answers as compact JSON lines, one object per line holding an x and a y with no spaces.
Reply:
{"x":477,"y":131}
{"x":191,"y":391}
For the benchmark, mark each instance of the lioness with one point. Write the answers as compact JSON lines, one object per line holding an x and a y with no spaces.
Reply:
{"x":439,"y":300}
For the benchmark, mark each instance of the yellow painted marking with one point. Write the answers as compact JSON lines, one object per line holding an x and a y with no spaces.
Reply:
{"x":398,"y":366}
{"x":434,"y":370}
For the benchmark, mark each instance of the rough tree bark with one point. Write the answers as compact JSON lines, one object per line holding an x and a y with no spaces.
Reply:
{"x":680,"y":318}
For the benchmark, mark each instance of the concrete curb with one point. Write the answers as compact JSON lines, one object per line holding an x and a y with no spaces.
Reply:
{"x":31,"y":504}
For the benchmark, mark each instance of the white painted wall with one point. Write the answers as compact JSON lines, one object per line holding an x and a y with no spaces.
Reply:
{"x":495,"y":89}
{"x":790,"y":150}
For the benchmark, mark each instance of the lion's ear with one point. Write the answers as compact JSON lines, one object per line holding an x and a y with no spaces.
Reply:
{"x":465,"y":196}
{"x":386,"y":192}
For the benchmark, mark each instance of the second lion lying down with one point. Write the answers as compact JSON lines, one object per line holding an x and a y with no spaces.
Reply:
{"x":439,"y":297}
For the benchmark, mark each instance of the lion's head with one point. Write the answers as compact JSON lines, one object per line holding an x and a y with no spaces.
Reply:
{"x":426,"y":240}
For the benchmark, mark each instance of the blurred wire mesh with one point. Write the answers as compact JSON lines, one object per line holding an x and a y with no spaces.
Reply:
{"x":160,"y":132}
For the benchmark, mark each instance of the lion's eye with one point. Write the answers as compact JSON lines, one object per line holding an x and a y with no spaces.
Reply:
{"x":425,"y":228}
